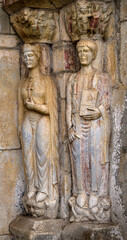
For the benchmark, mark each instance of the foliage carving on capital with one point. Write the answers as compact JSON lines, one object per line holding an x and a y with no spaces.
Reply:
{"x":88,"y":19}
{"x":35,"y":25}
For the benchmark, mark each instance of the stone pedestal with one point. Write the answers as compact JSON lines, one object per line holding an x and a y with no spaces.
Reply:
{"x":29,"y":228}
{"x":87,"y":231}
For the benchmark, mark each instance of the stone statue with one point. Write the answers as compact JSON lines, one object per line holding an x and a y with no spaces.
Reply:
{"x":38,"y":131}
{"x":88,"y":122}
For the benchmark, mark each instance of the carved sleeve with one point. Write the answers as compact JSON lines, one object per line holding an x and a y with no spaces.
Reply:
{"x":41,"y":108}
{"x":69,"y":107}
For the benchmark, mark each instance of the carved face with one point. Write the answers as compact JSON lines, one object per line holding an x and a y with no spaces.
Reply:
{"x":31,"y":59}
{"x":86,"y":56}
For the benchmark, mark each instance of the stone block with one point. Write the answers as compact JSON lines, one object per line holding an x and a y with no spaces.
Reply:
{"x":63,"y":32}
{"x":15,"y":5}
{"x":123,"y":10}
{"x":24,"y":227}
{"x":11,"y":188}
{"x":64,"y":59}
{"x":60,"y":4}
{"x":80,"y":231}
{"x":123,"y":53}
{"x":63,"y":126}
{"x":112,"y":62}
{"x":4,"y":22}
{"x":12,"y":30}
{"x":62,"y":79}
{"x":118,"y":164}
{"x":99,"y":60}
{"x":65,"y":164}
{"x":10,"y":74}
{"x":5,"y":237}
{"x":45,"y":61}
{"x":9,"y":41}
{"x":118,"y":98}
{"x":111,"y":27}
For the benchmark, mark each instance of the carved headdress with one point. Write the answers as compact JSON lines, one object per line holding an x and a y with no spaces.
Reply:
{"x":30,"y":47}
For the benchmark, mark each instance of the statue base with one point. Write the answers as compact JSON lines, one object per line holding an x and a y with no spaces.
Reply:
{"x":91,"y":231}
{"x":29,"y":228}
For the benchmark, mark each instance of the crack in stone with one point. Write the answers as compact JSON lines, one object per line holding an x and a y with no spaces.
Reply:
{"x":53,"y":3}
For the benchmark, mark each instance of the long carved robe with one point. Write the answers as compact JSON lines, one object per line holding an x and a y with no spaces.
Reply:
{"x":39,"y":135}
{"x":89,"y":151}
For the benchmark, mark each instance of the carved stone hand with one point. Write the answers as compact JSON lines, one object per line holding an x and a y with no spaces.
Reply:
{"x":94,"y":113}
{"x":71,"y":135}
{"x":30,"y":104}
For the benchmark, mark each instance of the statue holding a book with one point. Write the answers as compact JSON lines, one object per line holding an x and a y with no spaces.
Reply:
{"x":88,"y":122}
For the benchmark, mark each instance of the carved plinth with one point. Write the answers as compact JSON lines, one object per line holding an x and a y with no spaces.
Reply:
{"x":85,"y":231}
{"x":26,"y":228}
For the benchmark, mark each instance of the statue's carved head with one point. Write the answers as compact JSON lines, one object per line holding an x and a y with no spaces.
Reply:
{"x":32,"y":54}
{"x":87,"y":51}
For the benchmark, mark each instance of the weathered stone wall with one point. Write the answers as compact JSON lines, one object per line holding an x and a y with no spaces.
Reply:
{"x":60,"y":59}
{"x":11,"y":170}
{"x":119,"y":122}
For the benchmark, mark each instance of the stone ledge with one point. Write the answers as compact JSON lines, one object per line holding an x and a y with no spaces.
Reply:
{"x":87,"y":231}
{"x":29,"y":228}
{"x":12,"y":6}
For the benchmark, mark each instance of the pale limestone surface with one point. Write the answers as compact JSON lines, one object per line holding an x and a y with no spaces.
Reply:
{"x":123,"y":53}
{"x":99,"y":60}
{"x":9,"y":41}
{"x":62,"y":79}
{"x":4,"y":21}
{"x":64,"y":163}
{"x":63,"y":31}
{"x":123,"y":10}
{"x":118,"y":158}
{"x":10,"y":75}
{"x":11,"y":188}
{"x":112,"y":62}
{"x":5,"y":237}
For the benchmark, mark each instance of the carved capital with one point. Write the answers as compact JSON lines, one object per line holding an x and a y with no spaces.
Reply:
{"x":88,"y":19}
{"x":35,"y":25}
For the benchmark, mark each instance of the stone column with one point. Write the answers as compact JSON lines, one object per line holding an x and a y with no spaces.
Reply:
{"x":119,"y":118}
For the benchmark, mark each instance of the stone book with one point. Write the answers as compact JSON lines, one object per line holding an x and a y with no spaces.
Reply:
{"x":88,"y":101}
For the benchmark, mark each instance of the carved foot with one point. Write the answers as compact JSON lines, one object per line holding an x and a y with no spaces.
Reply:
{"x":41,"y":197}
{"x":30,"y":194}
{"x":82,"y":200}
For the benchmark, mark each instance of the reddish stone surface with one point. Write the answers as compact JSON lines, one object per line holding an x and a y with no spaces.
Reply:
{"x":69,"y":57}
